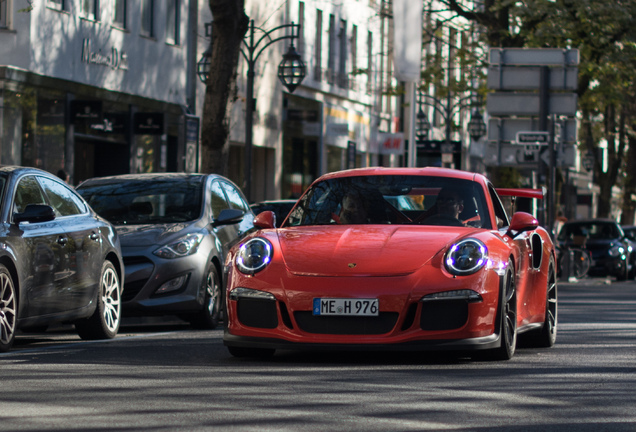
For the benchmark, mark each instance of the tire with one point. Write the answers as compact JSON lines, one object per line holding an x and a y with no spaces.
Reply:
{"x":210,"y":316}
{"x":507,"y":312}
{"x":582,"y":265}
{"x":104,"y":323}
{"x":546,"y":337}
{"x":251,"y":352}
{"x":623,"y":273}
{"x":8,"y":309}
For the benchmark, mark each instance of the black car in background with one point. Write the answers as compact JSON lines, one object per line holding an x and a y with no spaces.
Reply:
{"x":630,"y":233}
{"x":281,"y":208}
{"x":611,"y":252}
{"x":175,"y":231}
{"x":59,"y":261}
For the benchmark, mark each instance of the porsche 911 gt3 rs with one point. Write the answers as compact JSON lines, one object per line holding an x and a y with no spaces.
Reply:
{"x":353,"y":267}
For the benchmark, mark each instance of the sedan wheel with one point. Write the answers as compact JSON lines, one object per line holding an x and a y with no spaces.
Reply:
{"x":208,"y":318}
{"x":8,"y":309}
{"x":104,"y":323}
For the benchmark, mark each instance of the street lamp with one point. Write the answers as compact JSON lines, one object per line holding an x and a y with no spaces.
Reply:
{"x":476,"y":125}
{"x":203,"y":66}
{"x":291,"y":72}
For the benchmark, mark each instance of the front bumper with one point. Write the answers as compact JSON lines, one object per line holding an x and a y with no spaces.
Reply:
{"x":473,"y":344}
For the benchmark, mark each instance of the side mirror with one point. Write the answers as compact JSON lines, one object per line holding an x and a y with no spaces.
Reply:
{"x":265,"y":220}
{"x":229,"y":217}
{"x":522,"y":221}
{"x":35,"y":213}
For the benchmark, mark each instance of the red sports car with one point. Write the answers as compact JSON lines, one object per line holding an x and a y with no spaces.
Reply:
{"x":394,"y":258}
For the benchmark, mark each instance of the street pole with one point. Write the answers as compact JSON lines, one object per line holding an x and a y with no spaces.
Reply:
{"x":249,"y":116}
{"x":253,"y":52}
{"x":412,"y":162}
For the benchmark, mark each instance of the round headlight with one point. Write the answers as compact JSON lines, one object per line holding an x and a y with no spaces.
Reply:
{"x":254,"y":255}
{"x":466,"y":257}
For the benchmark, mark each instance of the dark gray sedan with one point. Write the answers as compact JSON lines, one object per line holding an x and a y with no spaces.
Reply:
{"x":175,"y":231}
{"x":59,"y":261}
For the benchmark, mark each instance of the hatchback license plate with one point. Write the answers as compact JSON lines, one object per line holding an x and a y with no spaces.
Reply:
{"x":347,"y":307}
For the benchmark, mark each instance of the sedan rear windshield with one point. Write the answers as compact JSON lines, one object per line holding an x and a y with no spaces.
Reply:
{"x":133,"y":202}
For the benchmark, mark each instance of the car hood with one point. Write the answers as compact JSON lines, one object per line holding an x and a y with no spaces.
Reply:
{"x":364,"y":250}
{"x":149,"y":234}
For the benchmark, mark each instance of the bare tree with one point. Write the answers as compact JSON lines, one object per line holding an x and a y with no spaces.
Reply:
{"x":230,"y":26}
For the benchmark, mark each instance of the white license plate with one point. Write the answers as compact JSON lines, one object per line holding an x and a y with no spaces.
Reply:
{"x":347,"y":307}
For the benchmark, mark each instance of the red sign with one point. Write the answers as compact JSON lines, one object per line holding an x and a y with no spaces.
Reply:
{"x":391,"y":143}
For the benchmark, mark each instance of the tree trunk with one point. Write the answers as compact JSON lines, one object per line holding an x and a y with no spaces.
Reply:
{"x":228,"y":30}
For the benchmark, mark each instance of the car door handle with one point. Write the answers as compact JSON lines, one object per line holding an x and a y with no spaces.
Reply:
{"x":62,"y":241}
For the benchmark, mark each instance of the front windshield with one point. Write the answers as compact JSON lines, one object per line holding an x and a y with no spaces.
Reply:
{"x":135,"y":202}
{"x":393,"y":199}
{"x":579,"y":232}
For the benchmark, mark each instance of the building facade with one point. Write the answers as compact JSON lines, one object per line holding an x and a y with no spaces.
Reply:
{"x":333,"y":119}
{"x":95,"y":87}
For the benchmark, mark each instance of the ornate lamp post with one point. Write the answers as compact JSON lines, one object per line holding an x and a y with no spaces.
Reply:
{"x":476,"y":125}
{"x":291,"y":72}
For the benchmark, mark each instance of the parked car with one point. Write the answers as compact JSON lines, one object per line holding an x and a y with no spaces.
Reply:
{"x":59,"y":261}
{"x":175,"y":232}
{"x":348,"y":271}
{"x":281,"y":208}
{"x":610,"y":250}
{"x":630,"y":233}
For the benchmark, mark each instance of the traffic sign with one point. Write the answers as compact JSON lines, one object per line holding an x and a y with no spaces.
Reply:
{"x":506,"y":128}
{"x":529,"y":78}
{"x":528,"y":104}
{"x":534,"y":56}
{"x":530,"y":137}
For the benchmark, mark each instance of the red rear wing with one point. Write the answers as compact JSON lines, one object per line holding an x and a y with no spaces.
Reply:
{"x":521,"y":193}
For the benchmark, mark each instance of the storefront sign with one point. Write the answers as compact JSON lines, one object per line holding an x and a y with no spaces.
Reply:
{"x":86,"y":110}
{"x":192,"y":144}
{"x":439,"y":146}
{"x":391,"y":143}
{"x":148,"y":124}
{"x":351,"y":154}
{"x":113,"y":58}
{"x":338,"y":129}
{"x":112,"y":123}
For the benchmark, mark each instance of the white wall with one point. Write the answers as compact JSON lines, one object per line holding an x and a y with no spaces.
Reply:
{"x":53,"y":43}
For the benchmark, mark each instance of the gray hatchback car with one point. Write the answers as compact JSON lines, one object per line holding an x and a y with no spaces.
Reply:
{"x":175,"y":230}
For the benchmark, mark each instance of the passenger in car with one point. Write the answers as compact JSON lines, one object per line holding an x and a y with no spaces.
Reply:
{"x":449,"y":205}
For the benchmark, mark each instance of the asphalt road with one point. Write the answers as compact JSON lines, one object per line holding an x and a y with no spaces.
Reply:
{"x":169,"y":378}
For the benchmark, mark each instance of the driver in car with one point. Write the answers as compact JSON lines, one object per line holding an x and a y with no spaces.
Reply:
{"x":449,"y":205}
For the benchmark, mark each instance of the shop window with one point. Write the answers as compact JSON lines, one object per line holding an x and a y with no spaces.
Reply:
{"x":318,"y":47}
{"x":172,"y":23}
{"x":301,"y":30}
{"x":147,"y":18}
{"x":4,"y":20}
{"x":120,"y":13}
{"x":89,"y":9}
{"x":60,"y":5}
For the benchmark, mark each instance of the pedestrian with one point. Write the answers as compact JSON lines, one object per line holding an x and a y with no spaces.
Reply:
{"x":64,"y":175}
